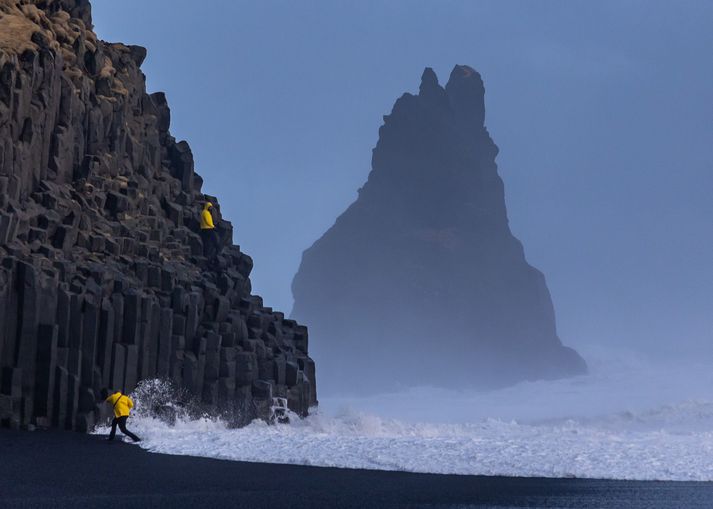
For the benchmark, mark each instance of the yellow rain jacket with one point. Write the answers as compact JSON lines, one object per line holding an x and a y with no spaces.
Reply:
{"x":122,"y":404}
{"x":207,"y":218}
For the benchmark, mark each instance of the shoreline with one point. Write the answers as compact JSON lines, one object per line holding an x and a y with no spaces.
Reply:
{"x":65,"y":469}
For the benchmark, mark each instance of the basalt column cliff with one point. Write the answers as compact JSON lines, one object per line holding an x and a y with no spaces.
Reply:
{"x":102,"y":278}
{"x":420,"y":281}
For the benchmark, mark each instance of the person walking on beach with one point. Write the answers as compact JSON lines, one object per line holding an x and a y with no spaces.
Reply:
{"x":122,"y":406}
{"x":208,"y":234}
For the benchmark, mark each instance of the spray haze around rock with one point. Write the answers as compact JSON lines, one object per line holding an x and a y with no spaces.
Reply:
{"x":420,"y":281}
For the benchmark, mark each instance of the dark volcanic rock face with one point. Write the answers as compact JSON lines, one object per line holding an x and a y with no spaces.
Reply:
{"x":102,"y":278}
{"x":420,"y":281}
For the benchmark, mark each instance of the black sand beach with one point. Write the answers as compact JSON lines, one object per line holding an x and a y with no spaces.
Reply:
{"x":62,"y":469}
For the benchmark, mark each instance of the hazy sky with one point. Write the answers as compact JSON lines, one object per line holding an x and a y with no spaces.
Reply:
{"x":603,"y":112}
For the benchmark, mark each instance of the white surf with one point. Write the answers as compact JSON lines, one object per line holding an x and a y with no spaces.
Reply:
{"x":625,"y":421}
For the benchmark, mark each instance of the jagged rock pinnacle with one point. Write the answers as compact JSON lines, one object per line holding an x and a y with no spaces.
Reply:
{"x":420,"y":281}
{"x":466,"y":93}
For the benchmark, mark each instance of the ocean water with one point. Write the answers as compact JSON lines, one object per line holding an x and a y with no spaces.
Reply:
{"x":628,"y":419}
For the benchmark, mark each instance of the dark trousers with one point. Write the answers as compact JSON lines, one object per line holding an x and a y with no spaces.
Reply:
{"x":121,"y":421}
{"x":210,"y":243}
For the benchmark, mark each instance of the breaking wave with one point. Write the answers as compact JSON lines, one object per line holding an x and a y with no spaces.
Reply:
{"x":579,"y":434}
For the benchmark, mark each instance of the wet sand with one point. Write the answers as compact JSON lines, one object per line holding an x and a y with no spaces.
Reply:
{"x":60,"y":469}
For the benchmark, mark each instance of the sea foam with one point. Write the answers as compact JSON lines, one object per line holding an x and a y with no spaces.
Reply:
{"x":641,"y":422}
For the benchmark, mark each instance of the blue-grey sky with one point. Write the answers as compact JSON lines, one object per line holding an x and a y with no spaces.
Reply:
{"x":603,"y":112}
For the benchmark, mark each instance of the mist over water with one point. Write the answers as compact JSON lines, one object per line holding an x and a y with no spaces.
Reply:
{"x":618,"y":383}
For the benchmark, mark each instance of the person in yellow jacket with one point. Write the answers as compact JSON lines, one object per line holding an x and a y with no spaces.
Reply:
{"x":208,"y":234}
{"x":121,"y":405}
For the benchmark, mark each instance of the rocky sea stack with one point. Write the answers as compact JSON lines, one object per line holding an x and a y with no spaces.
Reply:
{"x":102,"y":278}
{"x":420,"y":281}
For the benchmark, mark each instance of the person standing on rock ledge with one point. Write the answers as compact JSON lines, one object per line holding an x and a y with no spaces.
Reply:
{"x":122,"y":406}
{"x":208,"y":233}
